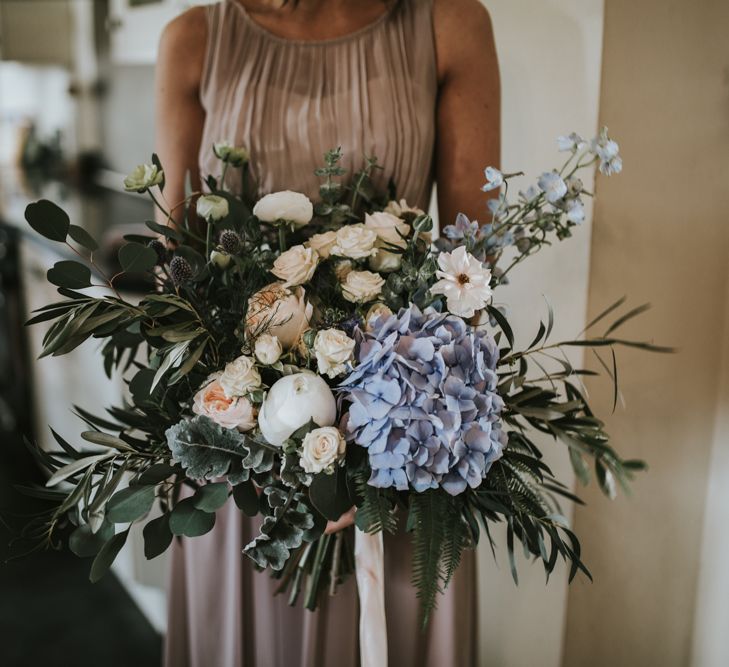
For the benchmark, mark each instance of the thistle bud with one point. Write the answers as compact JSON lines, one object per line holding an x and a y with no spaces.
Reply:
{"x":180,"y":270}
{"x":160,"y":249}
{"x":230,"y":242}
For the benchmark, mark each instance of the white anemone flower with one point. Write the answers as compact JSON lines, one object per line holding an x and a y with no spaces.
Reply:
{"x":464,"y":281}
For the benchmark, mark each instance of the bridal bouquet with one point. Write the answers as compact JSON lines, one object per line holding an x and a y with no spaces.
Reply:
{"x":306,"y":359}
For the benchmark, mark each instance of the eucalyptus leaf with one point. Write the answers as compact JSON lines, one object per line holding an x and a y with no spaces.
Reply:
{"x":157,"y":536}
{"x":82,"y":237}
{"x":107,"y":555}
{"x":137,"y":258}
{"x":246,"y":498}
{"x":68,"y":273}
{"x":211,"y":497}
{"x":85,"y":543}
{"x":48,"y":220}
{"x":329,"y":494}
{"x":189,"y":521}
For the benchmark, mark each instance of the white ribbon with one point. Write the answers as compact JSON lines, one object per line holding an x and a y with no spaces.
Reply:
{"x":370,"y":571}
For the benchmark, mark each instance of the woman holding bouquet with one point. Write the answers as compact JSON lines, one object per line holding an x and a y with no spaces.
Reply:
{"x":414,"y":83}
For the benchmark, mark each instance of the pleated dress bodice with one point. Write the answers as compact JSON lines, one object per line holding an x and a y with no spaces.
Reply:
{"x":371,"y":92}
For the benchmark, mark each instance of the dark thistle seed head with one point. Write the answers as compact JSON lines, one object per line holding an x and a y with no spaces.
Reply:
{"x":160,"y":249}
{"x":230,"y":242}
{"x":180,"y":270}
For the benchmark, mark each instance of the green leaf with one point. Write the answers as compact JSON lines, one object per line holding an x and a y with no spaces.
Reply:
{"x":75,"y":467}
{"x":211,"y":497}
{"x":68,"y":273}
{"x":106,"y":440}
{"x":189,"y":521}
{"x":84,"y":543}
{"x":246,"y":498}
{"x":137,"y":258}
{"x":48,"y":220}
{"x":157,"y":536}
{"x":164,"y":230}
{"x":130,"y":504}
{"x":82,"y":237}
{"x":107,"y":555}
{"x":156,"y":473}
{"x":329,"y":494}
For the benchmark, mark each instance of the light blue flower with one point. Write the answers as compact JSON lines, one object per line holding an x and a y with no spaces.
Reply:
{"x":498,"y":207}
{"x":423,"y":402}
{"x":463,"y":228}
{"x":607,"y":151}
{"x":570,"y":142}
{"x":613,"y":166}
{"x":529,"y":195}
{"x":553,"y":186}
{"x":494,"y":179}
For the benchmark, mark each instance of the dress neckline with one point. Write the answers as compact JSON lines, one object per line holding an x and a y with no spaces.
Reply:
{"x":350,"y":36}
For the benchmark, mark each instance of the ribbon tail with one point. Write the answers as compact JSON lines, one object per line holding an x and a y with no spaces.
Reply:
{"x":370,"y":571}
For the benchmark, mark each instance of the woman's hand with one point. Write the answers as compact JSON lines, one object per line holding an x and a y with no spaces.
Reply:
{"x":344,"y":521}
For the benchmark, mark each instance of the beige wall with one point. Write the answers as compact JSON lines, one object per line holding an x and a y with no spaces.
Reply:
{"x":661,"y":234}
{"x":549,"y":53}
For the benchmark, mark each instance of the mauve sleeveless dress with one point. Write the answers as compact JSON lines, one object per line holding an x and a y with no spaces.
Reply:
{"x":372,"y":92}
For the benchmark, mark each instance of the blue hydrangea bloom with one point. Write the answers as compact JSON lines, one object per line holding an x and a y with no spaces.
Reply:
{"x":423,"y":401}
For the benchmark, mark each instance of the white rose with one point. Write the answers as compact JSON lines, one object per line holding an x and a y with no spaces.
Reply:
{"x":143,"y":177}
{"x":376,"y":311}
{"x":212,"y":207}
{"x":291,"y":402}
{"x":355,"y":242}
{"x":322,"y":243}
{"x":227,"y":152}
{"x":288,"y":206}
{"x":362,"y":286}
{"x":389,"y":230}
{"x":220,"y":258}
{"x":279,"y":310}
{"x":321,"y":449}
{"x":296,"y":265}
{"x":267,"y":349}
{"x":240,"y":377}
{"x":342,"y":268}
{"x":229,"y":412}
{"x":333,"y":349}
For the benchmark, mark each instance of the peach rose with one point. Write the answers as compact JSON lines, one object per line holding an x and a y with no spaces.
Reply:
{"x":234,"y":413}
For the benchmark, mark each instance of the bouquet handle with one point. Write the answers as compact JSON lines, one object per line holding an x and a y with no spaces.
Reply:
{"x":370,"y":572}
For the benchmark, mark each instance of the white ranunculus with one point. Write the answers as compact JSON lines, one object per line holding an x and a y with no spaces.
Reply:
{"x":286,"y":206}
{"x":279,"y":310}
{"x":267,"y":349}
{"x":240,"y":377}
{"x":212,"y":207}
{"x":464,"y":281}
{"x":390,"y":231}
{"x":362,"y":286}
{"x":322,"y":243}
{"x":220,"y":258}
{"x":229,"y":412}
{"x":293,"y":401}
{"x":296,"y":265}
{"x":333,"y":349}
{"x":227,"y":152}
{"x":354,"y":241}
{"x":376,"y":311}
{"x":321,"y":449}
{"x":143,"y":177}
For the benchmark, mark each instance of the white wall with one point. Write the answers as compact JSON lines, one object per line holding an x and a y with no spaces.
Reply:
{"x":550,"y":58}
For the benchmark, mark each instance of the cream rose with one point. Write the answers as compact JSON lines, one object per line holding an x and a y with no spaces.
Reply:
{"x":267,"y":349}
{"x":143,"y":177}
{"x":285,"y":206}
{"x":212,"y":402}
{"x":401,"y":208}
{"x":389,"y":230}
{"x":291,"y":402}
{"x":212,"y":207}
{"x":355,"y":242}
{"x":362,"y":286}
{"x":374,"y":313}
{"x":281,"y":311}
{"x":333,"y":349}
{"x":296,"y":266}
{"x":322,"y":243}
{"x":321,"y":449}
{"x":240,"y":376}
